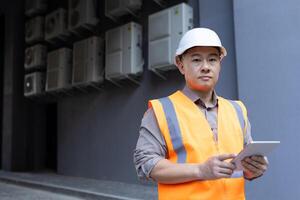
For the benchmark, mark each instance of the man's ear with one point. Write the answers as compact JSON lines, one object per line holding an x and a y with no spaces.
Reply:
{"x":179,"y":65}
{"x":221,"y":57}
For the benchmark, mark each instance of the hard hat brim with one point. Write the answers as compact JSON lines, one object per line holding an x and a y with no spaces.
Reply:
{"x":181,"y":51}
{"x":223,"y":52}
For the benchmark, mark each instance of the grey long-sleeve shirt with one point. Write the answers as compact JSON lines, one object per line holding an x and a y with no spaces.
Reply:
{"x":151,"y":146}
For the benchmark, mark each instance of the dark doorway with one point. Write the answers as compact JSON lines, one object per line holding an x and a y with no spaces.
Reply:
{"x":51,"y":137}
{"x":1,"y":80}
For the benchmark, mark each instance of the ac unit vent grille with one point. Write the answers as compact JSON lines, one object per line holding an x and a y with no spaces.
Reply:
{"x":52,"y":79}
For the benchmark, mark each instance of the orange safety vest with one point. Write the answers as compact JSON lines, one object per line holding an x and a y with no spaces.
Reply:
{"x":189,"y":139}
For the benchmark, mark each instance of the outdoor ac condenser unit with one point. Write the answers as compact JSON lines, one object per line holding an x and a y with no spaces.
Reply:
{"x":124,"y":51}
{"x":88,"y":61}
{"x":34,"y":30}
{"x":34,"y":83}
{"x":56,"y":26}
{"x":35,"y":57}
{"x":117,"y":8}
{"x":82,"y":14}
{"x":165,"y":30}
{"x":59,"y":66}
{"x":34,"y":7}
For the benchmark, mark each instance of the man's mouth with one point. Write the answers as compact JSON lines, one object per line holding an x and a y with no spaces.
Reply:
{"x":205,"y":78}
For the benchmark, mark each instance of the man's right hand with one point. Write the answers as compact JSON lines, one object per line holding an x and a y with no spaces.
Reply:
{"x":217,"y":167}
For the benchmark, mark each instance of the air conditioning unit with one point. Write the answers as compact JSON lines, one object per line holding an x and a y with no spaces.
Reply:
{"x":82,"y":14}
{"x":34,"y":7}
{"x":34,"y":30}
{"x":123,"y":51}
{"x":35,"y":57}
{"x":88,"y":61}
{"x":34,"y":83}
{"x":56,"y":25}
{"x":165,"y":31}
{"x":117,"y":8}
{"x":59,"y":66}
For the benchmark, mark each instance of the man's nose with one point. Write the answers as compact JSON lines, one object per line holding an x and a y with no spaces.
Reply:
{"x":205,"y":66}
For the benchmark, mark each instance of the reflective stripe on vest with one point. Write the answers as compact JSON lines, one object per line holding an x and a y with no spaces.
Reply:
{"x":241,"y":117}
{"x":174,"y":129}
{"x":239,"y":113}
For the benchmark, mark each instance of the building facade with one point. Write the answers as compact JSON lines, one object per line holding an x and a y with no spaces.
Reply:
{"x":94,"y":134}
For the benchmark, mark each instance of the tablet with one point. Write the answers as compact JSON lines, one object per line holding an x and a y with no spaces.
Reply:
{"x":254,"y":148}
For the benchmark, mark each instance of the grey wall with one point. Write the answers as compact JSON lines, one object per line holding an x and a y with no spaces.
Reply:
{"x":23,"y":122}
{"x":1,"y":76}
{"x":218,"y":15}
{"x":14,"y":154}
{"x":97,"y":133}
{"x":267,"y":48}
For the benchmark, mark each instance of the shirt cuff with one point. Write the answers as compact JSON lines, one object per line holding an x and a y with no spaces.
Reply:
{"x":147,"y":167}
{"x":251,"y":179}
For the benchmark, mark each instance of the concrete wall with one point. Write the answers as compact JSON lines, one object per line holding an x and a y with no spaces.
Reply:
{"x":1,"y":77}
{"x":23,"y":122}
{"x":267,"y":48}
{"x":97,"y":133}
{"x":13,"y":144}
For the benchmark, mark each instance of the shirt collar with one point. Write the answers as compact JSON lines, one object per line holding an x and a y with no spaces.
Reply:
{"x":193,"y":96}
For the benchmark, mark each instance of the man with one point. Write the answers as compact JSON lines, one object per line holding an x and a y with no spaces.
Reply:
{"x":187,"y":139}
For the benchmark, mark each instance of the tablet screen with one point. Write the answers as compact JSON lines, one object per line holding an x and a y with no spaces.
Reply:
{"x":254,"y":148}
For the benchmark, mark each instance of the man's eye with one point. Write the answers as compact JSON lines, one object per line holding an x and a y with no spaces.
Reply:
{"x":213,"y":60}
{"x":196,"y":60}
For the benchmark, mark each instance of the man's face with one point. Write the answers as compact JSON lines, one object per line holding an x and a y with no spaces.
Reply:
{"x":201,"y":67}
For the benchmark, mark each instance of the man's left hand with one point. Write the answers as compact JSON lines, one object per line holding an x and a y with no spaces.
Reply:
{"x":254,"y":166}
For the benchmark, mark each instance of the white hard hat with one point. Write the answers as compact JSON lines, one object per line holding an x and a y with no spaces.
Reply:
{"x":199,"y":37}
